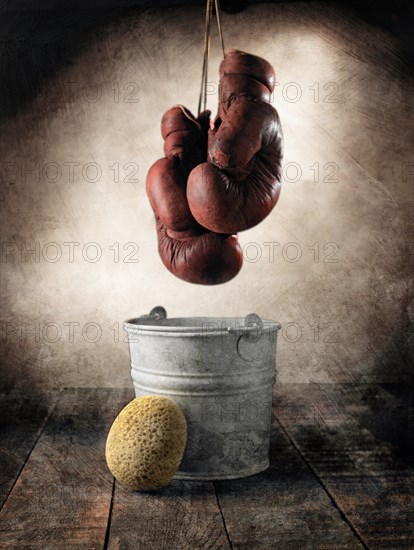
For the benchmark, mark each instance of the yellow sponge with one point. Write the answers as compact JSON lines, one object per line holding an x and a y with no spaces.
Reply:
{"x":146,"y":443}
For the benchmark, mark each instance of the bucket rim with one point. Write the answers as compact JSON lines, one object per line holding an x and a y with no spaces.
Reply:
{"x":206,"y":326}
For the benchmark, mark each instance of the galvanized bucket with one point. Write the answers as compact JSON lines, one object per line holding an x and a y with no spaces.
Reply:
{"x":221,"y":371}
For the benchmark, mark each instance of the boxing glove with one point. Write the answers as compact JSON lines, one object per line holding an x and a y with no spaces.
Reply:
{"x":239,"y":184}
{"x":188,"y":250}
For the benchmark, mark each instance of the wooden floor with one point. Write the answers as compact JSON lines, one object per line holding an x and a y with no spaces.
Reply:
{"x":341,"y":476}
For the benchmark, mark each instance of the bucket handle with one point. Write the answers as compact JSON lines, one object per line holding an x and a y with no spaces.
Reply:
{"x":251,"y":332}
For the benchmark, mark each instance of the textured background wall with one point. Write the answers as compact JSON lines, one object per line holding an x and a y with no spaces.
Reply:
{"x":73,"y":165}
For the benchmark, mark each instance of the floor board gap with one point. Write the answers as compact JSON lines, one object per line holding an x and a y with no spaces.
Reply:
{"x":222,"y":517}
{"x":325,"y":488}
{"x":108,"y":525}
{"x":41,"y":430}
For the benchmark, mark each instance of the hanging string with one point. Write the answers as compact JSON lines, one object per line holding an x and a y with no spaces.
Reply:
{"x":204,"y":78}
{"x":203,"y":91}
{"x":218,"y":15}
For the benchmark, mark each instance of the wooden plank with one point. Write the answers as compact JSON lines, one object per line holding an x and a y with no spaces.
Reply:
{"x":283,"y":507}
{"x":22,"y":418}
{"x":184,"y":515}
{"x":63,"y":495}
{"x":359,"y":441}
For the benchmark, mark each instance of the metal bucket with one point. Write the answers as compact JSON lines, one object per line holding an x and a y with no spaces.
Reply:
{"x":221,"y":372}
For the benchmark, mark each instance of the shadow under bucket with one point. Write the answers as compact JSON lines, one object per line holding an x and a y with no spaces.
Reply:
{"x":221,"y":372}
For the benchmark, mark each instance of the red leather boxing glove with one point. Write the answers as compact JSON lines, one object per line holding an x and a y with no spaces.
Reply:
{"x":188,"y":250}
{"x":240,"y":182}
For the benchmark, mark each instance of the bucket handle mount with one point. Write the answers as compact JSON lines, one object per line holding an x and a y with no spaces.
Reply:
{"x":157,"y":313}
{"x":252,"y":328}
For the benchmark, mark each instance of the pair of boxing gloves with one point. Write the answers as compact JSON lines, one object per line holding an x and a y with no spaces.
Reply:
{"x":217,"y":180}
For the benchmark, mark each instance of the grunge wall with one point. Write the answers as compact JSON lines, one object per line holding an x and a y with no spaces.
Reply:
{"x":332,"y":262}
